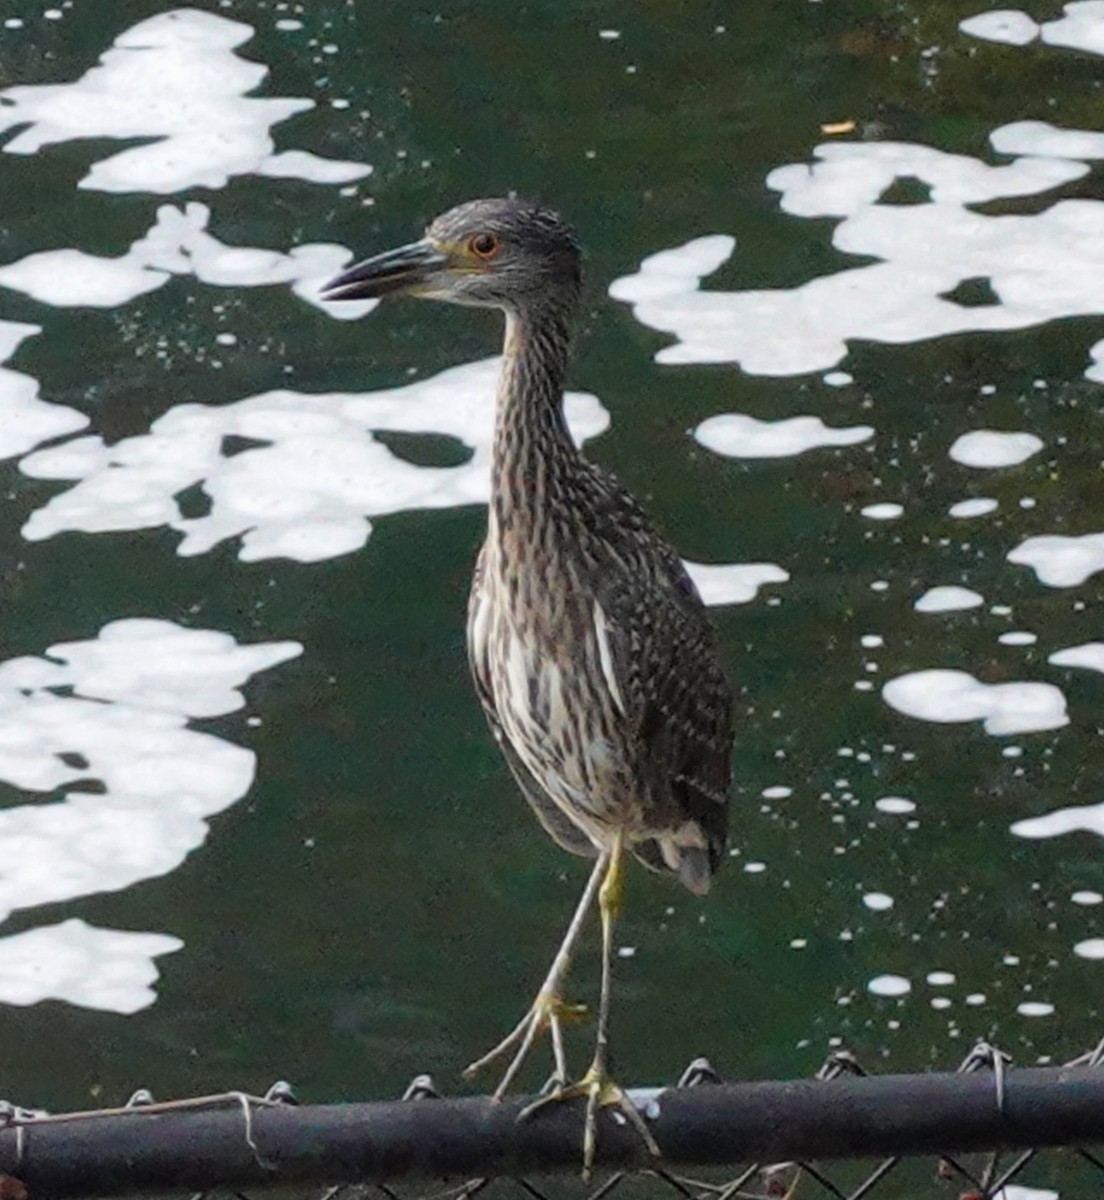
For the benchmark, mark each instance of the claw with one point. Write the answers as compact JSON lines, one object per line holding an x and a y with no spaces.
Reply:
{"x":601,"y":1092}
{"x":549,"y":1011}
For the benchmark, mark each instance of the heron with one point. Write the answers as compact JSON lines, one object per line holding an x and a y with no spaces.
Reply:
{"x":592,"y":655}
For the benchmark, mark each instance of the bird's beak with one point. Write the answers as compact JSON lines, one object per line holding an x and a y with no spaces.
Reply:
{"x":396,"y":270}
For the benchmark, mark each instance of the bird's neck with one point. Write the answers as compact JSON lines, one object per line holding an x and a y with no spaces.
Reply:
{"x":533,"y":452}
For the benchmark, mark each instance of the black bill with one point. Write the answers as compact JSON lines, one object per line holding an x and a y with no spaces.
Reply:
{"x":389,"y":272}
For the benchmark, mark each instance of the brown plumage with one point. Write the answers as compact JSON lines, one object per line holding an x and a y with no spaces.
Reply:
{"x":591,"y":652}
{"x":592,"y":655}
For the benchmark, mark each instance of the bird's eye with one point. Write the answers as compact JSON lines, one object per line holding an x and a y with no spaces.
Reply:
{"x":484,"y":245}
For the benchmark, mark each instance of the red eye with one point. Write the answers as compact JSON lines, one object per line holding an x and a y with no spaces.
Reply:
{"x":484,"y":245}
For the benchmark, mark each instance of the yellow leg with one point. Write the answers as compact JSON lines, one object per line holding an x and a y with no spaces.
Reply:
{"x":610,"y":897}
{"x":548,"y":1008}
{"x":596,"y":1085}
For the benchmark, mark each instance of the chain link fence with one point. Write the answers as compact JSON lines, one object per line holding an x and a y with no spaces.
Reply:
{"x":979,"y":1131}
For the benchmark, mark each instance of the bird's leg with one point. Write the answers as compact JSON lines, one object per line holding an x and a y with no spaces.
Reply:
{"x":548,"y":1006}
{"x":600,"y":1089}
{"x":596,"y":1085}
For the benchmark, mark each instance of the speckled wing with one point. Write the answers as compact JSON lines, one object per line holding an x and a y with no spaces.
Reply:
{"x":555,"y":823}
{"x":678,"y":702}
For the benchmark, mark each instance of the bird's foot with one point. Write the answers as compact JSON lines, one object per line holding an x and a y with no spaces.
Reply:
{"x":601,"y":1092}
{"x":548,"y":1011}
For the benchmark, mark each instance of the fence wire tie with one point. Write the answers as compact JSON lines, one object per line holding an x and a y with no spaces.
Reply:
{"x":282,"y":1092}
{"x":14,"y":1114}
{"x":843,"y":1062}
{"x":29,"y":1117}
{"x":697,"y":1072}
{"x":840,"y":1062}
{"x":1091,"y":1058}
{"x":247,"y":1117}
{"x":142,"y":1103}
{"x":1096,"y":1055}
{"x":421,"y":1087}
{"x":991,"y":1178}
{"x":986,"y":1055}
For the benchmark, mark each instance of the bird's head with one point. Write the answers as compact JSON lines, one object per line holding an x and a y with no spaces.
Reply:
{"x":509,"y":254}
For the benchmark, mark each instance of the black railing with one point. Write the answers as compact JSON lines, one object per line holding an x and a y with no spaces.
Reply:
{"x":235,"y":1141}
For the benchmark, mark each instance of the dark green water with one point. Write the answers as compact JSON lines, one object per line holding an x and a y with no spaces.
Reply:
{"x":378,"y":901}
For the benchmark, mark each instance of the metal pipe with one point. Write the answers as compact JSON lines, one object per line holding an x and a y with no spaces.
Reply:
{"x":239,"y":1145}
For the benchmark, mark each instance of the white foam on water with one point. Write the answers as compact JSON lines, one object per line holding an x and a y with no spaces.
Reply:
{"x":948,"y":598}
{"x":1082,"y":27}
{"x":670,"y":273}
{"x":988,"y":448}
{"x":309,"y":491}
{"x":107,"y":969}
{"x":178,"y":244}
{"x":889,"y":985}
{"x":25,"y":419}
{"x":125,"y":727}
{"x":301,"y":164}
{"x":733,"y":583}
{"x":1082,"y":817}
{"x":1041,"y":137}
{"x":1019,"y":1191}
{"x":1037,"y":264}
{"x":153,"y":664}
{"x":1060,"y":561}
{"x":175,"y":79}
{"x":897,"y":805}
{"x":737,"y":435}
{"x":1095,"y":370}
{"x":1006,"y":25}
{"x":946,"y":696}
{"x":1090,"y":656}
{"x":976,"y":506}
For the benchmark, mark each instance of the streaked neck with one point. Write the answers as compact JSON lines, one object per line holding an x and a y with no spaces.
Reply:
{"x":532,"y":444}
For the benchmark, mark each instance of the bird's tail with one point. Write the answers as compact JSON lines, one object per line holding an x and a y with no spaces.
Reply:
{"x":694,"y":869}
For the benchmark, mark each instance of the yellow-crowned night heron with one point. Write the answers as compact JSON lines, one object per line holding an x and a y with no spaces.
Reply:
{"x":592,"y":655}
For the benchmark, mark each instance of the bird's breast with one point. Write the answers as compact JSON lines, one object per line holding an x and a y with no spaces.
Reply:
{"x":543,"y":658}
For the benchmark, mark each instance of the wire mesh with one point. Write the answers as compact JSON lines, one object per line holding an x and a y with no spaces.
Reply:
{"x":994,"y":1175}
